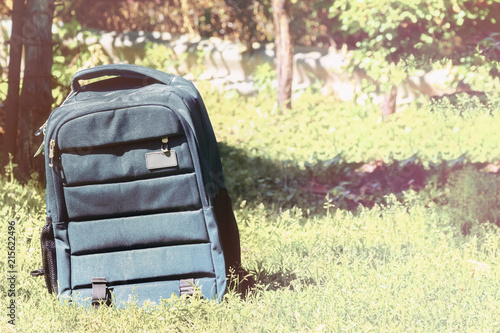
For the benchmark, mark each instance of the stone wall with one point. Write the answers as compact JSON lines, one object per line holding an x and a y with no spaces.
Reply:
{"x":231,"y":65}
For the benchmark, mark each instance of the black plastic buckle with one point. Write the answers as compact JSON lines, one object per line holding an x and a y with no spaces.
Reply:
{"x":100,"y":293}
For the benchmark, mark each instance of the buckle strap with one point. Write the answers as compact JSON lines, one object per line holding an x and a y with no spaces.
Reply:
{"x":100,"y":292}
{"x":186,"y":287}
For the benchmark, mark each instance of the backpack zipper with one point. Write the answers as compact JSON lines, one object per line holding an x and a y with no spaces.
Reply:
{"x":52,"y":146}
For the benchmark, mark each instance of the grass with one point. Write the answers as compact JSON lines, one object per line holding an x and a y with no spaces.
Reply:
{"x":320,"y":128}
{"x":404,"y":265}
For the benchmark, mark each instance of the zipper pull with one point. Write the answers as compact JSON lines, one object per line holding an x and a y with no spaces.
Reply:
{"x":40,"y":150}
{"x":164,"y":145}
{"x":41,"y":130}
{"x":52,"y":146}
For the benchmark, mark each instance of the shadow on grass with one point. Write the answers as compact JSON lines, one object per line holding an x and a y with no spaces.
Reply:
{"x":282,"y":184}
{"x":246,"y":282}
{"x":335,"y":183}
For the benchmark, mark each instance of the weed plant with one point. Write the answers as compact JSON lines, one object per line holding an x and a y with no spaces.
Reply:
{"x":474,"y":197}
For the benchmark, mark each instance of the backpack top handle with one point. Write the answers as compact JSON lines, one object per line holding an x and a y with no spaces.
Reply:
{"x":123,"y":70}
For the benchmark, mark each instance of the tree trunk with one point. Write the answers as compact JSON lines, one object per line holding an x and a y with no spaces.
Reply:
{"x":284,"y":52}
{"x":12,"y":102}
{"x":36,"y":95}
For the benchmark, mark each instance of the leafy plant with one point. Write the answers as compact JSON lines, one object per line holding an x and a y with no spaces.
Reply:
{"x":474,"y":197}
{"x":71,"y":56}
{"x":163,"y":58}
{"x":264,"y":78}
{"x":490,"y":46}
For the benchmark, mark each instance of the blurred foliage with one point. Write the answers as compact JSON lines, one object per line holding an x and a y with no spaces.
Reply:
{"x":264,"y":77}
{"x":391,"y":39}
{"x":432,"y":27}
{"x":71,"y":56}
{"x":427,"y":28}
{"x":240,"y":20}
{"x":490,"y":47}
{"x":162,"y":57}
{"x":473,"y":197}
{"x":396,"y":29}
{"x":5,"y":7}
{"x":246,"y":21}
{"x":398,"y":36}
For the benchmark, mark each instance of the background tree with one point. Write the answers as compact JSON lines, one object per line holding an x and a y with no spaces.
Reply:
{"x":36,"y":94}
{"x":12,"y":102}
{"x":284,"y":52}
{"x":35,"y":101}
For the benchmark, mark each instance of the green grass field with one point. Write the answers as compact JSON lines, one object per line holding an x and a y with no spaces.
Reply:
{"x":414,"y":259}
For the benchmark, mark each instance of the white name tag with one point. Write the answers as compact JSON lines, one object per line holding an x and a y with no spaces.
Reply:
{"x":160,"y":160}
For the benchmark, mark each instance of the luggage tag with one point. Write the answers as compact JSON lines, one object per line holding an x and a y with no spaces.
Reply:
{"x":166,"y":158}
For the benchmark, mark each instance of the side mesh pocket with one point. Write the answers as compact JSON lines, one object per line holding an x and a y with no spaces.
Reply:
{"x":49,"y":256}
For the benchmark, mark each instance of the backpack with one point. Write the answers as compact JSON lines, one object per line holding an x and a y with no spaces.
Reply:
{"x":137,"y":207}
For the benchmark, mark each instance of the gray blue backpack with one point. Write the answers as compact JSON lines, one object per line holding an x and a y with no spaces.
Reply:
{"x":137,"y":208}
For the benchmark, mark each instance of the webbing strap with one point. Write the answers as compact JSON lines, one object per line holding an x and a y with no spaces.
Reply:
{"x":38,"y":272}
{"x":99,"y":291}
{"x":186,"y":287}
